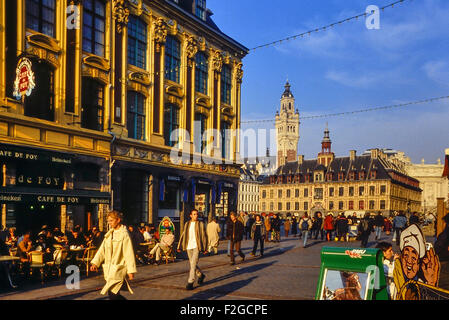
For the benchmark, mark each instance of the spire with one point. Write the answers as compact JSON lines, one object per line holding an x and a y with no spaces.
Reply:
{"x":287,"y":93}
{"x":326,"y":134}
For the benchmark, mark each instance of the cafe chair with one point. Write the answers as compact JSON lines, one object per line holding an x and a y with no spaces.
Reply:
{"x":168,"y":254}
{"x":37,"y":262}
{"x":59,"y":260}
{"x":13,"y":252}
{"x":88,"y":255}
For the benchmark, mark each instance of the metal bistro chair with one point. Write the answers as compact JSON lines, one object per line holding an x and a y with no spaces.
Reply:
{"x":59,"y":260}
{"x":88,"y":255}
{"x":168,"y":254}
{"x":37,"y":262}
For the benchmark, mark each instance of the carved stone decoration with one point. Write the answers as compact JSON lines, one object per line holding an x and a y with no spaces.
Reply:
{"x":239,"y":72}
{"x":140,"y":153}
{"x":156,"y":156}
{"x":120,"y":13}
{"x":160,"y":33}
{"x":191,"y":47}
{"x":217,"y":61}
{"x":121,"y":151}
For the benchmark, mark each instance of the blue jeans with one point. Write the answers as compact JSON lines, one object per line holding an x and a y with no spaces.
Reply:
{"x":305,"y":234}
{"x":378,"y":232}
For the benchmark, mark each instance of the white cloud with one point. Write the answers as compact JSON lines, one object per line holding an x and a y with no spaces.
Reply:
{"x":438,"y":71}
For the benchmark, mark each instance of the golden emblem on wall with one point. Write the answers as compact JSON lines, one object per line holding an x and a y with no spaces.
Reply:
{"x":160,"y":33}
{"x":121,"y":14}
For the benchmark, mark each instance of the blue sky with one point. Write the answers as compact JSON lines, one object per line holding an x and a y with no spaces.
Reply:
{"x":347,"y":68}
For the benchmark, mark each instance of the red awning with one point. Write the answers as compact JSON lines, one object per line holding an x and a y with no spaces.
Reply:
{"x":446,"y":167}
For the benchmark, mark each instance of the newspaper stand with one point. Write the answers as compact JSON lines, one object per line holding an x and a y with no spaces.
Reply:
{"x":351,"y":274}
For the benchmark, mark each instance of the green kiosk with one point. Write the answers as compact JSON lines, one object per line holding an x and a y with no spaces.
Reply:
{"x":351,"y":274}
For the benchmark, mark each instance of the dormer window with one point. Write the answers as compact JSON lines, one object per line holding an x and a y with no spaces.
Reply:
{"x":201,"y":9}
{"x":352,"y":176}
{"x":361,"y":175}
{"x":373,"y":174}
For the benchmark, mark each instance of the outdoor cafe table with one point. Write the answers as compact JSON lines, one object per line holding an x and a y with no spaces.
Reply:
{"x":75,"y":253}
{"x":3,"y":261}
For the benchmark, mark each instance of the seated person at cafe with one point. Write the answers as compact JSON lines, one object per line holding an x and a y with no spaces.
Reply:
{"x":75,"y":238}
{"x":42,"y":245}
{"x":146,"y":234}
{"x":11,"y":239}
{"x":166,"y":242}
{"x":58,"y":236}
{"x":24,"y":247}
{"x":97,"y":237}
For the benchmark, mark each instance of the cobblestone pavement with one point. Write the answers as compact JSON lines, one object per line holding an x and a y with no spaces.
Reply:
{"x":287,"y":271}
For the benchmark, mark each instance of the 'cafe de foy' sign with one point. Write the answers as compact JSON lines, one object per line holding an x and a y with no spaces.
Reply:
{"x":24,"y":83}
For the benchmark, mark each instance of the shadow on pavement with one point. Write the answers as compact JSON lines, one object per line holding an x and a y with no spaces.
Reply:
{"x":236,"y":272}
{"x":221,"y":291}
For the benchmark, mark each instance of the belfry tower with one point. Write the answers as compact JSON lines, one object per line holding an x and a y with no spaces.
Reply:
{"x":287,"y":128}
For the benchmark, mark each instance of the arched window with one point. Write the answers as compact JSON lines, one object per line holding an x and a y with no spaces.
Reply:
{"x":40,"y":16}
{"x":92,"y":104}
{"x":172,"y":59}
{"x":136,"y":115}
{"x":226,"y":84}
{"x":40,"y":104}
{"x":94,"y":26}
{"x":171,"y":123}
{"x":201,"y":73}
{"x":200,"y":128}
{"x":137,"y":42}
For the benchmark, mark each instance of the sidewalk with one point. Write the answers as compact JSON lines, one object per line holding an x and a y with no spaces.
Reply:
{"x":57,"y":288}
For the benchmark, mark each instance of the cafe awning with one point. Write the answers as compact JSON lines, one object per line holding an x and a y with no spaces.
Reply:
{"x":53,"y":196}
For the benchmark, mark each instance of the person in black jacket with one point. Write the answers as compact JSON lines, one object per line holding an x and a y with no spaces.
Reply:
{"x":379,"y":224}
{"x":276,"y":226}
{"x":365,"y":228}
{"x":234,"y":233}
{"x":414,"y":219}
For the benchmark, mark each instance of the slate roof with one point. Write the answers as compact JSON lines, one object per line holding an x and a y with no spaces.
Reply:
{"x":384,"y":170}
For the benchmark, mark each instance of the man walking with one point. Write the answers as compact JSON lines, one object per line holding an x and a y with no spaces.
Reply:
{"x":213,"y":236}
{"x":365,"y":229}
{"x":117,"y":256}
{"x":194,"y":240}
{"x":399,"y":224}
{"x":267,"y":227}
{"x":378,"y":224}
{"x":305,"y":225}
{"x":234,"y":234}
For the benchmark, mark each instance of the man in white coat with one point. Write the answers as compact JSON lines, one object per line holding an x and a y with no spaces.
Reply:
{"x":213,"y":235}
{"x":117,"y":256}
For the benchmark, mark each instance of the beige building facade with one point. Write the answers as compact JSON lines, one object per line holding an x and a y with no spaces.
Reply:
{"x":367,"y":183}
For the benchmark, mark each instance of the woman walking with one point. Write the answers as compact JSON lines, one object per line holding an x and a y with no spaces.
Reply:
{"x":116,"y":254}
{"x":258,"y":235}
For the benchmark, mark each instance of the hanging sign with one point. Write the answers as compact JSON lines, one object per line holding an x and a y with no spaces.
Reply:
{"x":25,"y":82}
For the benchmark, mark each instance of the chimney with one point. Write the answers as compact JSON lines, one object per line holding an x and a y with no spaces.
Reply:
{"x":374,"y":153}
{"x":352,"y":155}
{"x":300,"y":159}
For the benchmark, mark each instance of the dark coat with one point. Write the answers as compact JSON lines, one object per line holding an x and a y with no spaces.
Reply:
{"x":235,"y":230}
{"x":442,"y":245}
{"x":379,"y":221}
{"x":342,"y":225}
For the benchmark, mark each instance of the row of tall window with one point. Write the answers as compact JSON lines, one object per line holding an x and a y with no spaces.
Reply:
{"x":341,"y":205}
{"x":41,"y":17}
{"x":318,"y":192}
